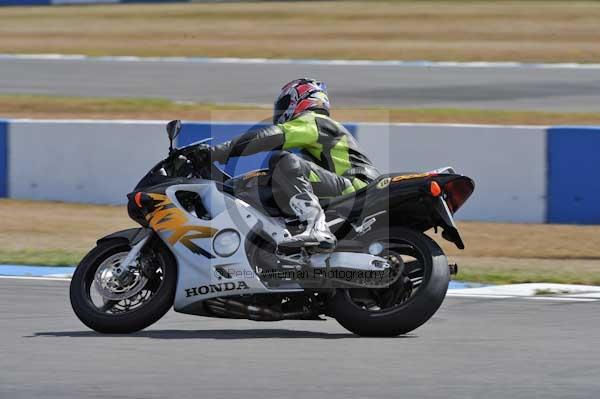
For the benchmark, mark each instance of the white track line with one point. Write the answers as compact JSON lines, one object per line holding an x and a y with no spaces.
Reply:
{"x":557,"y":292}
{"x":537,"y":298}
{"x":287,"y":61}
{"x":35,"y":278}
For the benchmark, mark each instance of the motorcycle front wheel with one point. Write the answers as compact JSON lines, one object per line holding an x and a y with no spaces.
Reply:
{"x":131,"y":302}
{"x":410,"y":301}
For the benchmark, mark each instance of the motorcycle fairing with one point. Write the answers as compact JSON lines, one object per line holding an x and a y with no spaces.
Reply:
{"x":203,"y":273}
{"x":190,"y":238}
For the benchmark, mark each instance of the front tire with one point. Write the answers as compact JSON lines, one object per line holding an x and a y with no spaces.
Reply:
{"x":118,"y":316}
{"x":375,"y":319}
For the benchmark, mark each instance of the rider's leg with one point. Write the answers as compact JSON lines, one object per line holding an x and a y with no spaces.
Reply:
{"x":295,"y":181}
{"x":289,"y":175}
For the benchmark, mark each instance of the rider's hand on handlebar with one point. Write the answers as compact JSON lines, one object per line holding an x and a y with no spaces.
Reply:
{"x":200,"y":158}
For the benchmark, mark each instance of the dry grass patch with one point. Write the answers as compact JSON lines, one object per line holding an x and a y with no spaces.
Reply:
{"x":57,"y":233}
{"x":514,"y":240}
{"x":52,"y":226}
{"x":56,"y":107}
{"x":411,"y":30}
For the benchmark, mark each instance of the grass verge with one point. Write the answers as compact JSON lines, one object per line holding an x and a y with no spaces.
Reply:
{"x":551,"y":31}
{"x":51,"y":233}
{"x":41,"y":257}
{"x":528,"y":270}
{"x":57,"y":107}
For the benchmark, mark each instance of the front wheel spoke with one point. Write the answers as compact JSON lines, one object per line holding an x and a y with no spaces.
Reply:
{"x":412,"y":266}
{"x":367,"y":303}
{"x":108,"y":305}
{"x":397,"y":246}
{"x":153,"y":284}
{"x":416,"y":281}
{"x":387,"y":301}
{"x":394,"y":296}
{"x":376,"y":296}
{"x":409,"y":265}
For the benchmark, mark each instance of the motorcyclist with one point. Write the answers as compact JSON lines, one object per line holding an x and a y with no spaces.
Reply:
{"x":329,"y":163}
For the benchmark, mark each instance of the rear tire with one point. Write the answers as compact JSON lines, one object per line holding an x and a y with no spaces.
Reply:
{"x":129,"y":321}
{"x":409,"y":315}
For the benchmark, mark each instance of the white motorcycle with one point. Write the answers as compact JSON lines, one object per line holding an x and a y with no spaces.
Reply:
{"x":208,"y":245}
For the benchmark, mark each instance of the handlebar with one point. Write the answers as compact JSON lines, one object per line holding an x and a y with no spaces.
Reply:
{"x":198,"y":156}
{"x":194,"y":147}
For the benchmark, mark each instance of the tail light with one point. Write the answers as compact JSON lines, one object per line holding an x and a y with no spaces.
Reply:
{"x":457,"y":192}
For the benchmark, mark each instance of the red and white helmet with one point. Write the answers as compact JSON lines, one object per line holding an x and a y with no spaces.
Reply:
{"x":298,"y":96}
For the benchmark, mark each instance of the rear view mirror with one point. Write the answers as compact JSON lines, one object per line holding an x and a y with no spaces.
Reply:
{"x":173,"y":130}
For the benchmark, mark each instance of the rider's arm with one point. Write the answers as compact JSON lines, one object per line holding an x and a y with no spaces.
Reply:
{"x":300,"y":133}
{"x":257,"y":140}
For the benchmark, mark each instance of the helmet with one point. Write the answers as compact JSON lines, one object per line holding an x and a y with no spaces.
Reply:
{"x":298,"y":96}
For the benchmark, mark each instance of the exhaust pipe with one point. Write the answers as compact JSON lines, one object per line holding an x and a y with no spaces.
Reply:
{"x":230,"y":308}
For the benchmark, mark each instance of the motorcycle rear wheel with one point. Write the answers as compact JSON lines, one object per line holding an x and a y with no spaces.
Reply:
{"x":155,"y":292}
{"x":403,"y":306}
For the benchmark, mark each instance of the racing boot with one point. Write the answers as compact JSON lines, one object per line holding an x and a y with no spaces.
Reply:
{"x":317,"y":234}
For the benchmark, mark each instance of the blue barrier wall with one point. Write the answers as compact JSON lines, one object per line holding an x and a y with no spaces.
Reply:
{"x":573,"y":181}
{"x":523,"y":174}
{"x":79,"y":2}
{"x":81,"y":161}
{"x":25,"y":2}
{"x":3,"y":159}
{"x":220,"y":132}
{"x":508,"y":163}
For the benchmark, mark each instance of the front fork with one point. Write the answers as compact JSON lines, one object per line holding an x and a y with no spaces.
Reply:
{"x":129,"y":262}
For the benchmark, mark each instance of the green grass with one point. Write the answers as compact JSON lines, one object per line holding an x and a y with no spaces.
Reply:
{"x":41,"y":257}
{"x":523,"y":276}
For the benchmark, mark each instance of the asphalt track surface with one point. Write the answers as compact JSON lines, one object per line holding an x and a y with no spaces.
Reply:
{"x":472,"y":348}
{"x":524,"y":88}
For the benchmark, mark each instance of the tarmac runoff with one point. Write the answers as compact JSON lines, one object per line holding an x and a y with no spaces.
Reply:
{"x":382,"y":84}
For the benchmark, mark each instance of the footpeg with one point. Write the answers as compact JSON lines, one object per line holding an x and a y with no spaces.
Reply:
{"x":350,"y":261}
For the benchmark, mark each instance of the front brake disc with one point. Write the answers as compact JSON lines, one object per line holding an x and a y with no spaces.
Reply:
{"x":112,"y":288}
